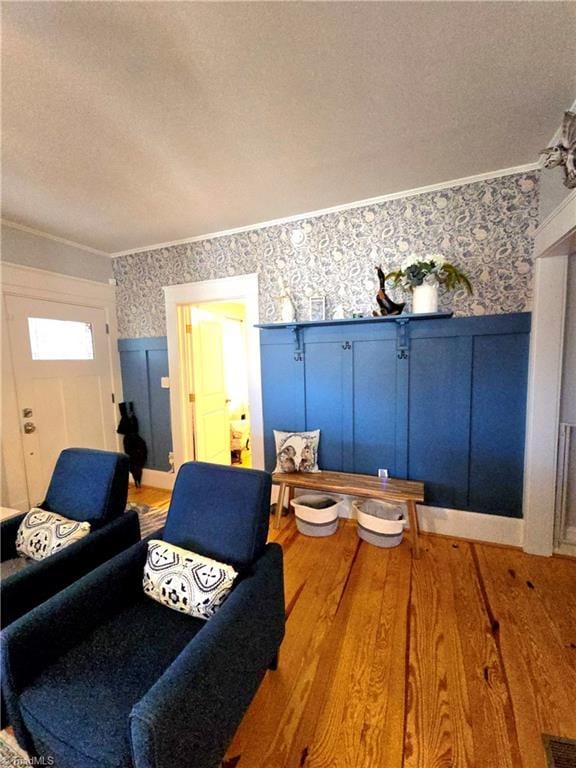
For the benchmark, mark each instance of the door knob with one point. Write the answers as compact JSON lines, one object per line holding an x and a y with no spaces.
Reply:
{"x":29,"y":427}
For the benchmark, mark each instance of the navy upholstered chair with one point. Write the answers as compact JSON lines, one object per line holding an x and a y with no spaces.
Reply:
{"x":86,"y":486}
{"x":101,"y":675}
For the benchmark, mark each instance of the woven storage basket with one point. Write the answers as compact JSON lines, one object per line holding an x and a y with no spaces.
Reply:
{"x":316,"y":515}
{"x":379,"y":522}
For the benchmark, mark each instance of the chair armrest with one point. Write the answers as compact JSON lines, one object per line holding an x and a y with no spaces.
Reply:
{"x":40,"y":580}
{"x":8,"y":531}
{"x":37,"y":639}
{"x":193,"y":710}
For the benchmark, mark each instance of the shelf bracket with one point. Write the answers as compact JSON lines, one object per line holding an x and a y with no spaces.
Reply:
{"x":402,"y":340}
{"x":298,"y":349}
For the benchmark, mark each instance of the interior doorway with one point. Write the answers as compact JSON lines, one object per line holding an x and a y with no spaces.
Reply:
{"x":214,"y":357}
{"x":214,"y":361}
{"x":565,"y":517}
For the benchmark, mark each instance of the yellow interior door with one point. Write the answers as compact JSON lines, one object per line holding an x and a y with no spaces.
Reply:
{"x":208,"y":395}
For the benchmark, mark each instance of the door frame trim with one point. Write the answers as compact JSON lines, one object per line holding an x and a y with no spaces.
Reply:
{"x":33,"y":283}
{"x":554,"y":246}
{"x":240,"y":288}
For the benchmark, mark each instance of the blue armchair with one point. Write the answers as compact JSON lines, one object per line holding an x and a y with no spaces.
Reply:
{"x":86,"y":485}
{"x":101,"y":675}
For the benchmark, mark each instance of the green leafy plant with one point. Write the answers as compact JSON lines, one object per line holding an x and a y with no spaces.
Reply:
{"x":432,"y":269}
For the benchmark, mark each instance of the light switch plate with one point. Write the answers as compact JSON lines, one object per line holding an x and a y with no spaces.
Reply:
{"x":165,"y":382}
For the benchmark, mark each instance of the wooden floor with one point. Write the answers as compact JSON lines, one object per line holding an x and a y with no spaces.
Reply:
{"x":152,"y":497}
{"x":461,"y":659}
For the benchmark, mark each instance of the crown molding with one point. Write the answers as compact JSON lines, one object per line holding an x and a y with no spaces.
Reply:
{"x":336,"y":208}
{"x":286,"y":219}
{"x":55,"y":238}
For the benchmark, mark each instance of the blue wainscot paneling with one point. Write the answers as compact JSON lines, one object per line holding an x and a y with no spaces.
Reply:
{"x":377,"y":427}
{"x":441,"y":400}
{"x":327,"y":399}
{"x":439,"y":417}
{"x":143,"y":363}
{"x":497,"y":425}
{"x":283,"y":393}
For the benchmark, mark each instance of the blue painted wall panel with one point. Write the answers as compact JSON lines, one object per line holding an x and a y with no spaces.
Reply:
{"x":401,"y":415}
{"x":439,"y":418}
{"x":282,"y":395}
{"x":159,"y":408}
{"x":133,"y":364}
{"x":325,"y":402}
{"x":500,"y":376}
{"x":375,"y":397}
{"x":143,"y":362}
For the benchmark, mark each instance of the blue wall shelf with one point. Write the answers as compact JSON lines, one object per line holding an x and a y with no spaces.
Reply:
{"x":296,"y":328}
{"x":441,"y":400}
{"x":403,"y":318}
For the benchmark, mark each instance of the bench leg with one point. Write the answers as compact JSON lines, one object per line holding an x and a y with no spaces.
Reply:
{"x":414,"y":529}
{"x":280,"y":504}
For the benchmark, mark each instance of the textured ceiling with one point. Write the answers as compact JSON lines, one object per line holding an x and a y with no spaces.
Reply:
{"x":131,"y":123}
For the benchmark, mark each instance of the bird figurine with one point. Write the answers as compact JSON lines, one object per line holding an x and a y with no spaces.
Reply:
{"x":387,"y":306}
{"x":564,"y":153}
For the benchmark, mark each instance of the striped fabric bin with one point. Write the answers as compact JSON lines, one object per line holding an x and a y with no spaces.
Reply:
{"x":316,"y":515}
{"x":379,"y":522}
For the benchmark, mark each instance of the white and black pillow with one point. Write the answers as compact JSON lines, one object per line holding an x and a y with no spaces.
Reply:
{"x":42,"y":533}
{"x":297,"y":451}
{"x":184,"y":581}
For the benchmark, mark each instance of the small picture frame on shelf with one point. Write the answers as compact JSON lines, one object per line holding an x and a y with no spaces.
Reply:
{"x":317,"y":308}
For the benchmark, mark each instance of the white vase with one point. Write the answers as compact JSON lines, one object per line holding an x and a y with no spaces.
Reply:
{"x":424,"y":299}
{"x":287,"y":310}
{"x":339,"y":313}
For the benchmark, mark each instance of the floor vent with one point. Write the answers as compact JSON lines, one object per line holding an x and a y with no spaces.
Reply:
{"x":561,"y":753}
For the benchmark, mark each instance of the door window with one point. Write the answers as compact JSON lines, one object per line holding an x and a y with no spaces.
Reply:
{"x":60,"y":339}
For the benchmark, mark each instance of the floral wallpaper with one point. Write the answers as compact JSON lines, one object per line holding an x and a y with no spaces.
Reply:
{"x":486,"y":228}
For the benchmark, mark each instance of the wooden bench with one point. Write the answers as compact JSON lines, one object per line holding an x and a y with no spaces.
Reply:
{"x":409,"y":492}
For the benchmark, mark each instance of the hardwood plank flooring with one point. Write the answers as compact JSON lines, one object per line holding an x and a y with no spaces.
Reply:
{"x":461,"y":659}
{"x":459,"y":711}
{"x":540,"y":665}
{"x":152,"y":497}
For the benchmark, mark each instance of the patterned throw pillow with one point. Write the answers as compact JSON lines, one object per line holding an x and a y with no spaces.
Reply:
{"x":43,"y":533}
{"x":185,"y":581}
{"x":297,"y":451}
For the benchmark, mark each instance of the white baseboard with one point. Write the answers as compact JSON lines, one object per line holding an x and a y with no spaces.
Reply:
{"x":566,"y":549}
{"x":157,"y":479}
{"x":570,"y":537}
{"x":455,"y":522}
{"x":568,"y":545}
{"x":495,"y":529}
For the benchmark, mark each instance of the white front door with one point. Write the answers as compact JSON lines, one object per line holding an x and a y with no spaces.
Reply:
{"x":63,"y":383}
{"x":208,"y":388}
